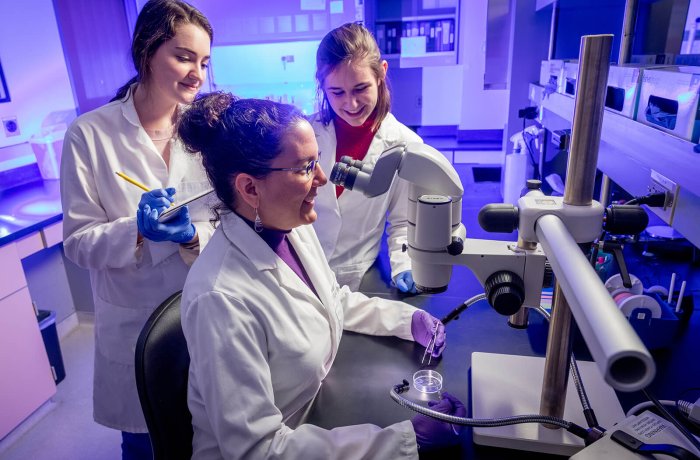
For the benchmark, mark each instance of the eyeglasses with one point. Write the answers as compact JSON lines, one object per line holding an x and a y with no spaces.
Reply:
{"x":308,"y":170}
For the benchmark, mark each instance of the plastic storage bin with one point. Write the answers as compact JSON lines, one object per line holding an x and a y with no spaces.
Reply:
{"x":669,"y":98}
{"x":47,"y":150}
{"x":47,"y":324}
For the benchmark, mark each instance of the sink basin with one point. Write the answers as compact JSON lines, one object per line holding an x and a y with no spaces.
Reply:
{"x":39,"y":208}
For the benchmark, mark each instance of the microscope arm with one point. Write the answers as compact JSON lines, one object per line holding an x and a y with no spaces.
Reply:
{"x":623,"y":360}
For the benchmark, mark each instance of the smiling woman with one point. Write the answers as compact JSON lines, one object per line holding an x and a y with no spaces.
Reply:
{"x":261,"y":309}
{"x":135,"y":261}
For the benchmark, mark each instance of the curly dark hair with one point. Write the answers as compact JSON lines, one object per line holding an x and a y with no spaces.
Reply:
{"x":234,"y":136}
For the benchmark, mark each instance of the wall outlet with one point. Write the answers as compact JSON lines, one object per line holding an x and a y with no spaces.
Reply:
{"x":662,"y":184}
{"x":11,"y":126}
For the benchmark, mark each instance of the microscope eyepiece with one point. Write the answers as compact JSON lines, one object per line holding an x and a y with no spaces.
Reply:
{"x":344,"y":175}
{"x":350,"y":161}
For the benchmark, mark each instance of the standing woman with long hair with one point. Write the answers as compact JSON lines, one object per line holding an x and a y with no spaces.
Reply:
{"x":355,"y":120}
{"x":111,"y":227}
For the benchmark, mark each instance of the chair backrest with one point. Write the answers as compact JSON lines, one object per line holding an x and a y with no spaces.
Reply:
{"x":162,"y":365}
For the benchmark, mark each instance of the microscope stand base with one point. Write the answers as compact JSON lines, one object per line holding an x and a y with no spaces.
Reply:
{"x":507,"y":385}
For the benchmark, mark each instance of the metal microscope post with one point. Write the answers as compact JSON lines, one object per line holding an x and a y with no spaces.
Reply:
{"x":594,"y":60}
{"x":623,"y":57}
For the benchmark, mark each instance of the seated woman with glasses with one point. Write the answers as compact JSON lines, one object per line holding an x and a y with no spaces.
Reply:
{"x":262,"y":311}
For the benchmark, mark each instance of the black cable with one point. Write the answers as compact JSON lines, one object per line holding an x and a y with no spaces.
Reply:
{"x":655,"y":200}
{"x":637,"y":446}
{"x":667,"y":415}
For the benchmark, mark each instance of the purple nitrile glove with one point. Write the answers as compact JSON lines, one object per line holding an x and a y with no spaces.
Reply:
{"x":423,"y":326}
{"x":435,"y":434}
{"x":404,"y":282}
{"x":178,"y":229}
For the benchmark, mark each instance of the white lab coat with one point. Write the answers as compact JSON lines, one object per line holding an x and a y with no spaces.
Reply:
{"x":100,"y":234}
{"x":351,"y":226}
{"x":261,"y":343}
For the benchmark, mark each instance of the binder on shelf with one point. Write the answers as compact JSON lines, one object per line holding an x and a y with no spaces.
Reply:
{"x":446,"y":35}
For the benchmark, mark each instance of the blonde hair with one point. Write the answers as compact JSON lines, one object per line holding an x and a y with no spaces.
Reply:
{"x":351,"y":43}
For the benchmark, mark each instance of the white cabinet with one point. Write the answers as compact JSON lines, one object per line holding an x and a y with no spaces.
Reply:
{"x":26,"y":381}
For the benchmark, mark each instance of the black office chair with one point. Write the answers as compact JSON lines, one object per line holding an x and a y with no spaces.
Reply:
{"x":162,"y":364}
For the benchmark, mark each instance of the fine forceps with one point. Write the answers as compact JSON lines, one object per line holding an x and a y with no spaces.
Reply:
{"x":430,"y":348}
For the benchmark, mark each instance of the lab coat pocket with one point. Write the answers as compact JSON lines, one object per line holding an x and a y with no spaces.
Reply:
{"x":117,"y":329}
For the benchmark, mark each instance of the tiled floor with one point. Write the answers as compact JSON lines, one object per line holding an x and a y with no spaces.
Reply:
{"x":63,"y":428}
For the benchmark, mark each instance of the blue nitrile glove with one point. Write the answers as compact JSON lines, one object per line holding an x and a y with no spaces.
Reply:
{"x":423,"y":326}
{"x":158,"y":198}
{"x":435,"y":434}
{"x":179,"y":229}
{"x":404,"y":282}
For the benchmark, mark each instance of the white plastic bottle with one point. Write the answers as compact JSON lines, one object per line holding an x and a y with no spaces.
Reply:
{"x":516,"y":169}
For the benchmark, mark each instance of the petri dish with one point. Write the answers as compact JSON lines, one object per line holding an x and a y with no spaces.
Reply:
{"x":427,"y":381}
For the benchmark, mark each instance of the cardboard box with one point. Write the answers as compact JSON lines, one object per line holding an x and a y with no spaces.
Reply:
{"x":668,"y":100}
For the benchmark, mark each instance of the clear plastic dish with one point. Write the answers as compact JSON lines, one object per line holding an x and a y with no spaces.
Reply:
{"x":427,"y":381}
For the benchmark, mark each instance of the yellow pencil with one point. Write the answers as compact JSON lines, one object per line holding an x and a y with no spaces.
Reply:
{"x":133,"y":181}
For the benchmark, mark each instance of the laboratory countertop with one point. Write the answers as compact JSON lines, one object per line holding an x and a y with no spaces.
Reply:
{"x":357,"y":388}
{"x":28,"y":208}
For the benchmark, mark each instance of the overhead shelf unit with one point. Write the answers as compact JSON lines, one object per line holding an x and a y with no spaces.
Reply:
{"x":419,"y":40}
{"x":637,"y":157}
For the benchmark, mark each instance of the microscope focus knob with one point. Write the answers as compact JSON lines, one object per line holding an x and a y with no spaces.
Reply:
{"x":505,"y":292}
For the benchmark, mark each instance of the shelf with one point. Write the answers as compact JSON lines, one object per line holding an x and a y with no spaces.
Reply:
{"x":400,"y":34}
{"x":630,"y":150}
{"x":668,"y":154}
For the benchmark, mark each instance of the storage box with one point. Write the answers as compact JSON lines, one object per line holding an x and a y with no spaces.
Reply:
{"x":668,"y":100}
{"x":660,"y":332}
{"x":47,"y":150}
{"x":550,"y":74}
{"x":623,"y":89}
{"x":567,"y":82}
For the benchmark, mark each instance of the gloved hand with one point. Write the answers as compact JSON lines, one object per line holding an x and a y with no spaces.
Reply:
{"x":179,"y":229}
{"x":404,"y":282}
{"x":158,"y":198}
{"x":435,"y":434}
{"x":423,"y":326}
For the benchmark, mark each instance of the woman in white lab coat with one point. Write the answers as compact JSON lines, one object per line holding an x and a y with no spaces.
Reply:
{"x":110,"y":226}
{"x":354,"y":120}
{"x":261,"y":310}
